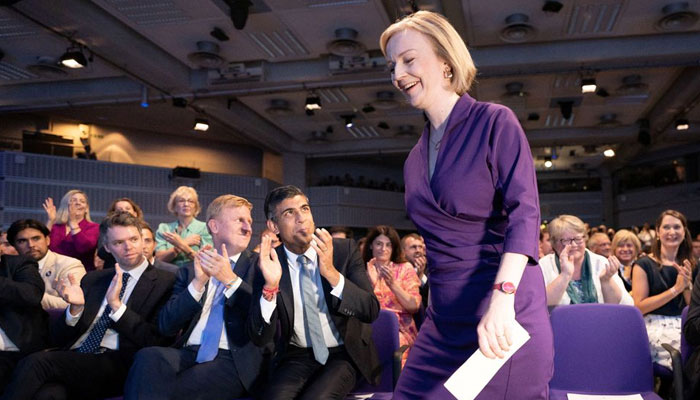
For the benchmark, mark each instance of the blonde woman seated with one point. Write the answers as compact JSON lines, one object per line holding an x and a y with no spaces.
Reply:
{"x":626,"y":247}
{"x":395,"y":282}
{"x":177,"y":242}
{"x":575,"y":275}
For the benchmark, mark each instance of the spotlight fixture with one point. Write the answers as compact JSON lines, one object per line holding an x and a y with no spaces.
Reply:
{"x":368,"y":108}
{"x":219,"y":34}
{"x":313,"y":102}
{"x":682,"y":124}
{"x":239,"y":12}
{"x":74,"y":57}
{"x":533,"y":116}
{"x":179,"y":102}
{"x":144,"y":96}
{"x":588,"y":85}
{"x":348,"y":120}
{"x":566,"y":107}
{"x":382,"y":125}
{"x":201,"y":124}
{"x":609,"y":152}
{"x":548,"y":162}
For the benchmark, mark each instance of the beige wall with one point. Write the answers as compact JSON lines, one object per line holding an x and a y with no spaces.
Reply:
{"x":147,"y":148}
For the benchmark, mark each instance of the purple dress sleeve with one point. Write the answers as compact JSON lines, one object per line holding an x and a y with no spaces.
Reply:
{"x":81,"y":245}
{"x":513,"y":173}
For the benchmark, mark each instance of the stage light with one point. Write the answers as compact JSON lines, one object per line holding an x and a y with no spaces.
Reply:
{"x":144,"y":96}
{"x":609,"y":153}
{"x":548,"y":162}
{"x":682,"y":124}
{"x":348,"y":120}
{"x":588,"y":85}
{"x":201,"y":125}
{"x":313,"y":102}
{"x":74,"y":58}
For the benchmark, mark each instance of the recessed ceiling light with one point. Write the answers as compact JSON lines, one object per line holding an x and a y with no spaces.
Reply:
{"x":201,"y":124}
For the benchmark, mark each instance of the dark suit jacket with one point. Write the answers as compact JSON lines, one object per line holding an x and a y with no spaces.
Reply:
{"x":182,"y":312}
{"x":21,"y":315}
{"x":137,"y":328}
{"x":352,"y":315}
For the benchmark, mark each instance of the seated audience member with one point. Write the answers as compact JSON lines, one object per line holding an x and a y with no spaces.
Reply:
{"x":275,"y":240}
{"x":124,"y":204}
{"x":599,"y":243}
{"x":112,"y":314}
{"x":73,"y":233}
{"x":177,"y":242}
{"x":626,"y":247}
{"x":361,"y":245}
{"x":31,"y":238}
{"x":149,"y":246}
{"x":661,"y":284}
{"x":646,"y":236}
{"x":23,"y":323}
{"x":575,"y":275}
{"x":696,"y":250}
{"x":5,"y":246}
{"x":396,"y":284}
{"x":340,"y":232}
{"x":413,"y":248}
{"x":545,"y":243}
{"x":315,"y":289}
{"x":214,"y":358}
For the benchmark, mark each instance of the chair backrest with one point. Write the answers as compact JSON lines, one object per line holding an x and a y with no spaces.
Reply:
{"x":603,"y":347}
{"x":686,"y":348}
{"x":385,"y":333}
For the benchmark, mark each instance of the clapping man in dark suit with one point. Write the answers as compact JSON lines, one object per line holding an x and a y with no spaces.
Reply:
{"x":214,"y":358}
{"x":23,"y":323}
{"x":112,"y":314}
{"x":317,"y":291}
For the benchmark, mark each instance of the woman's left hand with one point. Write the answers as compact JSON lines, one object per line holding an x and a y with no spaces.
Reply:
{"x":386,"y":274}
{"x":495,"y":328}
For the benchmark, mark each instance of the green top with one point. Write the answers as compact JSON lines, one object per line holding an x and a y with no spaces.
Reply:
{"x":195,"y":227}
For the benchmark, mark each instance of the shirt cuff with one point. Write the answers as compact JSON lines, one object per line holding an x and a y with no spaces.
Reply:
{"x":115,"y":315}
{"x":267,"y":308}
{"x":196,"y":294}
{"x":338,"y":289}
{"x":71,"y":320}
{"x":229,"y":292}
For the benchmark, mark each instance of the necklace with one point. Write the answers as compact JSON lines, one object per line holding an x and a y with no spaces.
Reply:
{"x":436,"y":143}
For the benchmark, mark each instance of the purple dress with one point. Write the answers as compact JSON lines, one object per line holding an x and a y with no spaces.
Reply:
{"x":481,"y":202}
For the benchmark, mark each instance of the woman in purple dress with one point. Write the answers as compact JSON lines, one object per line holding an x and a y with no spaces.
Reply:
{"x":472,"y":193}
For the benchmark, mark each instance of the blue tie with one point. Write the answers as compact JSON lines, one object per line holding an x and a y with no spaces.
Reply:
{"x":312,"y":320}
{"x":211,"y":335}
{"x":94,"y":339}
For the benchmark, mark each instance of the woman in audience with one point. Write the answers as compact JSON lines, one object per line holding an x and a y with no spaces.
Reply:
{"x":646,"y":236}
{"x":178,"y":241}
{"x":576,"y":275}
{"x":73,"y":233}
{"x":626,"y":247}
{"x":395,"y":282}
{"x":661,"y":283}
{"x":104,"y":259}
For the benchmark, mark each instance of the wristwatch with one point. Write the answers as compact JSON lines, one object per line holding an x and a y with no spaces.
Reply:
{"x":505,"y":287}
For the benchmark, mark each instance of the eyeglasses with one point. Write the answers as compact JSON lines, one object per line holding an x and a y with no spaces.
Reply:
{"x":565,"y":242}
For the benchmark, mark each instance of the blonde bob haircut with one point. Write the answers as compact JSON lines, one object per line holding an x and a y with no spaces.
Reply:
{"x":447,"y":43}
{"x":624,"y":236}
{"x":563,"y":223}
{"x":63,"y":211}
{"x":182,"y":192}
{"x":226,"y":201}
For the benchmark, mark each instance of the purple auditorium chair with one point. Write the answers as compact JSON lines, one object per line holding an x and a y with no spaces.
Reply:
{"x":600,"y":349}
{"x":385,"y":333}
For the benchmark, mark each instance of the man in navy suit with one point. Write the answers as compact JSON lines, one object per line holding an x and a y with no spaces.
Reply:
{"x":214,"y":358}
{"x":111,"y":314}
{"x":317,"y":291}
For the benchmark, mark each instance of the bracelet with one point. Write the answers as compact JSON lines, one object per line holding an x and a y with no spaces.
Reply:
{"x":230,"y":283}
{"x":674,"y":291}
{"x":269,"y":294}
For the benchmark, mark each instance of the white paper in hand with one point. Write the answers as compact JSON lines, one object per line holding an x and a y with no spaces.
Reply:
{"x":471,"y":378}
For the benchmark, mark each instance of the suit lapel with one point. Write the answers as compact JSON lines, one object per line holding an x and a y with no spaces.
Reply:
{"x":242,"y":265}
{"x":286,"y":286}
{"x":143,"y":288}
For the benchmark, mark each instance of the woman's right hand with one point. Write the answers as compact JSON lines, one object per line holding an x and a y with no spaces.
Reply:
{"x":50,"y":209}
{"x":193,"y":240}
{"x":566,"y":261}
{"x":684,"y":276}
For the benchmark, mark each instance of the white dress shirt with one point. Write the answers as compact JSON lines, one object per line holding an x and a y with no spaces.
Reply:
{"x":111,"y":337}
{"x":196,"y":335}
{"x":331,"y":335}
{"x":5,"y":342}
